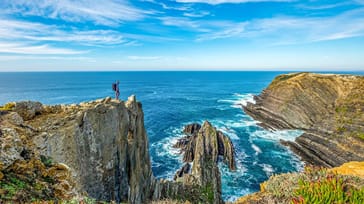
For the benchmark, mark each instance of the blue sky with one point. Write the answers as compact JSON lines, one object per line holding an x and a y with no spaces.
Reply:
{"x":181,"y":34}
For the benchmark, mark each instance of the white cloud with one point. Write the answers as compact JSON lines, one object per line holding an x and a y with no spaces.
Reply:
{"x":214,"y":2}
{"x":106,"y":12}
{"x":28,"y":31}
{"x":21,"y":48}
{"x":184,"y":23}
{"x":229,"y":32}
{"x":197,"y":14}
{"x":292,"y":30}
{"x":324,"y":6}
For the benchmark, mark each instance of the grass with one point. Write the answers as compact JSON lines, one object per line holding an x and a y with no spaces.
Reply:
{"x":361,"y":135}
{"x":11,"y":185}
{"x":207,"y":193}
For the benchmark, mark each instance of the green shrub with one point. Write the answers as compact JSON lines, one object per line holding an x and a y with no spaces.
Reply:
{"x":11,"y":185}
{"x":47,"y":161}
{"x":323,"y":187}
{"x":361,"y":135}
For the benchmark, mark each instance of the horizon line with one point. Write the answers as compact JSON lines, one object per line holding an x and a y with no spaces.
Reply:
{"x":189,"y":70}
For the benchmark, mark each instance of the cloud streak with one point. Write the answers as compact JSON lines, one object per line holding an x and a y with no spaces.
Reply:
{"x":215,"y":2}
{"x":20,"y":48}
{"x":279,"y":29}
{"x":106,"y":12}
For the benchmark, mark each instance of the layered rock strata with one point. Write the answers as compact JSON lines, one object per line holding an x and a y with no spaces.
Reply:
{"x":328,"y":107}
{"x":203,"y":146}
{"x":189,"y":145}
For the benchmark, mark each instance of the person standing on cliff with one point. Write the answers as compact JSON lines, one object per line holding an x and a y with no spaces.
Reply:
{"x":115,"y":87}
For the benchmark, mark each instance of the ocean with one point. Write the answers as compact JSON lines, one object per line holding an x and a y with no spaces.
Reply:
{"x":170,"y":101}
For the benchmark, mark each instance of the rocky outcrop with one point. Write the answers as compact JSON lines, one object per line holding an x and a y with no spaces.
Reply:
{"x":189,"y":145}
{"x":99,"y":149}
{"x":205,"y":172}
{"x":328,"y":107}
{"x":25,"y":174}
{"x":105,"y":144}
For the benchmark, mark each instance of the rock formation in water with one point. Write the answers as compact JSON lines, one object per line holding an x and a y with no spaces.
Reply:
{"x":99,"y":149}
{"x":188,"y":145}
{"x":328,"y":107}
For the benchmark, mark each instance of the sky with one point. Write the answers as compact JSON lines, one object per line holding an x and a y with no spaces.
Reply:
{"x":107,"y":35}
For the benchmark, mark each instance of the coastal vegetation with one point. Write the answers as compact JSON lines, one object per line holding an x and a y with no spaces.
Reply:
{"x":314,"y":185}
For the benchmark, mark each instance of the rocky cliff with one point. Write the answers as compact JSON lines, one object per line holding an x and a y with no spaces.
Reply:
{"x":98,"y":149}
{"x":328,"y":107}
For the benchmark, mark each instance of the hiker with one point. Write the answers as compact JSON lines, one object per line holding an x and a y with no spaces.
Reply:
{"x":115,"y":87}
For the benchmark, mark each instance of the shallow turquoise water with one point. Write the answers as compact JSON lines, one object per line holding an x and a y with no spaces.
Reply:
{"x":171,"y":100}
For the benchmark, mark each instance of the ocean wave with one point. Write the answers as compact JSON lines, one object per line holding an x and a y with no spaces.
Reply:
{"x":238,"y":100}
{"x":288,"y":135}
{"x":268,"y":169}
{"x":256,"y":149}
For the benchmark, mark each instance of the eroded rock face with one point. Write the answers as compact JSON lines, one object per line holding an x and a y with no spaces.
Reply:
{"x":205,"y":175}
{"x":105,"y":144}
{"x":100,"y":149}
{"x":189,"y":145}
{"x":330,"y":108}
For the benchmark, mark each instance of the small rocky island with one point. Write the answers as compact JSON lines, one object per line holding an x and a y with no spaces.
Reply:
{"x":221,"y":146}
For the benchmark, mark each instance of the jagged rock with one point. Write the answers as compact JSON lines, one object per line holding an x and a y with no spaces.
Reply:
{"x":226,"y":149}
{"x":10,"y":147}
{"x":328,"y":107}
{"x":192,"y":129}
{"x":205,"y":167}
{"x":203,"y":183}
{"x":182,"y":142}
{"x":14,"y":118}
{"x":188,"y":145}
{"x":28,"y":109}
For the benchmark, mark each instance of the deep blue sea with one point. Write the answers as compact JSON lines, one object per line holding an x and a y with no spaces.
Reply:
{"x":170,"y":101}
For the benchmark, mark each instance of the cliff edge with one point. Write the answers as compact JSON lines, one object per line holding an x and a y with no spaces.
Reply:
{"x":328,"y":107}
{"x":97,"y":149}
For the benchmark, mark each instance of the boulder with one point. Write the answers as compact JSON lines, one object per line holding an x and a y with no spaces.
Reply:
{"x":28,"y":109}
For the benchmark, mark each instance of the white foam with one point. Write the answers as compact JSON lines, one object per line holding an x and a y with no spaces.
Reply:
{"x":256,"y":149}
{"x":288,"y":135}
{"x":268,"y":169}
{"x":239,"y":100}
{"x":226,"y":128}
